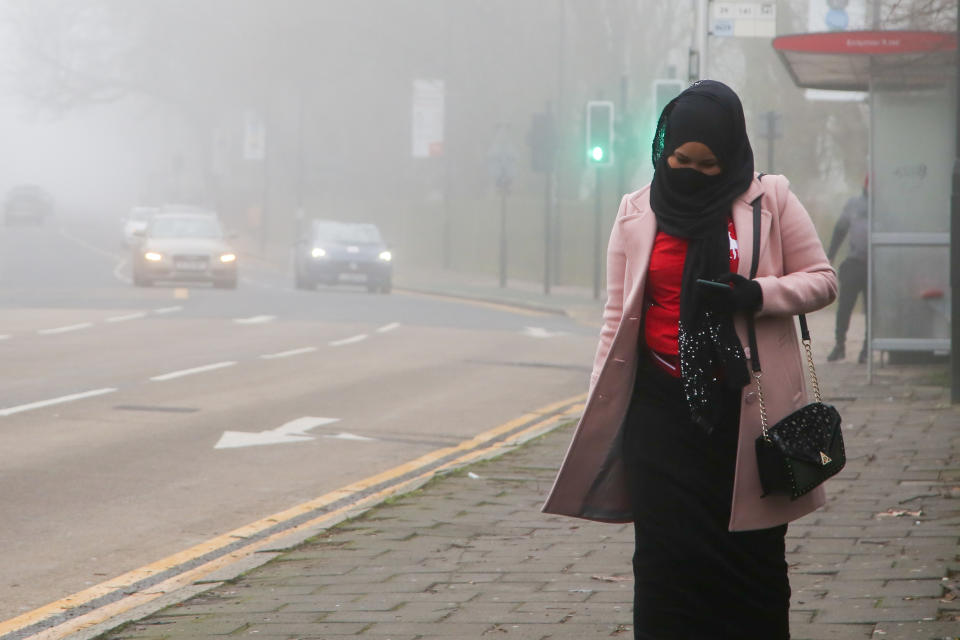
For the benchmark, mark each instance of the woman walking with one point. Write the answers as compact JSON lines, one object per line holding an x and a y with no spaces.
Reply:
{"x":667,"y":436}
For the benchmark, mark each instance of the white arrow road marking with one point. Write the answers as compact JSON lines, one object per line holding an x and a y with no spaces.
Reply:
{"x":350,"y":340}
{"x":540,"y":332}
{"x":254,"y":320}
{"x":190,"y":372}
{"x":66,"y":329}
{"x":46,"y":403}
{"x":163,"y":310}
{"x":389,"y":327}
{"x":293,"y":431}
{"x":348,"y":436}
{"x":287,"y":354}
{"x":129,"y":316}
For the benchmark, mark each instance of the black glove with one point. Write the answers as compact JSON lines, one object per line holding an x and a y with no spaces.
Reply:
{"x":742,"y":295}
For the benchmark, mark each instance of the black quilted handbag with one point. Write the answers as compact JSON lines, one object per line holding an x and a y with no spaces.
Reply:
{"x":806,"y":447}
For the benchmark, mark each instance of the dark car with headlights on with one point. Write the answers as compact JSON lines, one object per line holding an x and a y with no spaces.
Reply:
{"x":184,"y":247}
{"x":331,"y":252}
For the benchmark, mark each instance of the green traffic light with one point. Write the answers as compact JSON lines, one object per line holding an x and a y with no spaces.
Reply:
{"x":597,"y":154}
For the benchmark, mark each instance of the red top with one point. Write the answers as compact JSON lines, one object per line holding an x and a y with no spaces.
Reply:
{"x":662,"y":294}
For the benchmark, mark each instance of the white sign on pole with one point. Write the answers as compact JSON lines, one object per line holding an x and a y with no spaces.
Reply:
{"x":837,"y":15}
{"x":254,"y":136}
{"x":428,"y":115}
{"x":744,"y":19}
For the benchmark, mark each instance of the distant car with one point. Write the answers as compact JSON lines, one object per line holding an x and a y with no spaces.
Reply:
{"x":136,"y":223}
{"x":27,"y":204}
{"x":184,"y":247}
{"x":331,"y":252}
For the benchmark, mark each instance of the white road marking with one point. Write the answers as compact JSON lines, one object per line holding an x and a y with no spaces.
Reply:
{"x":190,"y":372}
{"x":5,"y":336}
{"x":46,"y":403}
{"x":129,"y":316}
{"x":293,"y":431}
{"x":348,"y":436}
{"x":287,"y":354}
{"x":66,"y":329}
{"x":163,"y":310}
{"x":350,"y":340}
{"x":87,"y":245}
{"x":389,"y":327}
{"x":118,"y":272}
{"x":255,"y":320}
{"x":540,"y":332}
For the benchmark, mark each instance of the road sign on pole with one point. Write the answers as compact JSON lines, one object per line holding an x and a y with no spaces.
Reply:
{"x":254,"y":136}
{"x":503,"y":169}
{"x":744,"y":19}
{"x":428,"y":118}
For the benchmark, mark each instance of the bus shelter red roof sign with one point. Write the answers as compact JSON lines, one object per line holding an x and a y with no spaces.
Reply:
{"x":850,"y":60}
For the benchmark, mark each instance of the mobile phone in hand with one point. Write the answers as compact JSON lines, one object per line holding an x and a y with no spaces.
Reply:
{"x":712,"y":284}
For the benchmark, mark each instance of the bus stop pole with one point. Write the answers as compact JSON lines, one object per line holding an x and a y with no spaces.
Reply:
{"x":955,"y":247}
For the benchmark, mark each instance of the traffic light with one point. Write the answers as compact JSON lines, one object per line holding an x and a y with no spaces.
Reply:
{"x":599,"y":132}
{"x":664,"y":91}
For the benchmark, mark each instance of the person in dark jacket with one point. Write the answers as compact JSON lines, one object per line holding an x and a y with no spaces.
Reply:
{"x":852,"y":271}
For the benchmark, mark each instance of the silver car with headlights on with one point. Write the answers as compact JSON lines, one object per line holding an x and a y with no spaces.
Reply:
{"x":184,"y":247}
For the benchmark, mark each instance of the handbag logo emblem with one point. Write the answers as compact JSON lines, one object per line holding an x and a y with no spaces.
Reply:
{"x":825,"y":459}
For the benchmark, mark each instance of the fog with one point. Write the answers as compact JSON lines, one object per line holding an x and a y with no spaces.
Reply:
{"x":270,"y":111}
{"x":170,"y":381}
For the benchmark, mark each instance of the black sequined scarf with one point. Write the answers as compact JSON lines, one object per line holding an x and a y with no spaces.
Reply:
{"x":692,"y":205}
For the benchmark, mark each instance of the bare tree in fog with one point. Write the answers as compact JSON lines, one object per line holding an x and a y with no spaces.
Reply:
{"x":200,"y":61}
{"x":69,"y":55}
{"x":935,"y":15}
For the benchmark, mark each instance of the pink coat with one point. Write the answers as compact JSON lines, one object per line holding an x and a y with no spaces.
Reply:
{"x":795,"y":276}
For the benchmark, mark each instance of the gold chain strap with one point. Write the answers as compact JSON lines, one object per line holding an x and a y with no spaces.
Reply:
{"x":813,"y":380}
{"x":763,"y":406}
{"x":813,"y":371}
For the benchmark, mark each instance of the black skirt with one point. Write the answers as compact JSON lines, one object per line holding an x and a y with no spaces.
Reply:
{"x":694,"y":579}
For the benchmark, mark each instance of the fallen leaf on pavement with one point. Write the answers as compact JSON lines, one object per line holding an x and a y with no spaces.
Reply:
{"x":612,"y":578}
{"x":899,"y":513}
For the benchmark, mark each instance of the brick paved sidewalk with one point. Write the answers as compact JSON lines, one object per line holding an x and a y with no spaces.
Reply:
{"x":470,"y":556}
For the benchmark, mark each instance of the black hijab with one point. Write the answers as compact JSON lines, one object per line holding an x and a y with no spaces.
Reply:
{"x":689,"y":204}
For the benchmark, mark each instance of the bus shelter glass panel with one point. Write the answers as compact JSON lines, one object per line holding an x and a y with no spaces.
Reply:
{"x":911,"y":297}
{"x":913,"y":160}
{"x":913,"y":153}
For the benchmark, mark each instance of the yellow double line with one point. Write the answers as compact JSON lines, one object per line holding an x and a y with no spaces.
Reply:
{"x":112,"y":599}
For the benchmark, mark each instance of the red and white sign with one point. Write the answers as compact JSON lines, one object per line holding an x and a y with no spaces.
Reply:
{"x":428,"y":118}
{"x":868,"y":42}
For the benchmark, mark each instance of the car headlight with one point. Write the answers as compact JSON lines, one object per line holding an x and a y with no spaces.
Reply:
{"x":228,"y":257}
{"x":318,"y":252}
{"x":386,"y":256}
{"x":153,"y":256}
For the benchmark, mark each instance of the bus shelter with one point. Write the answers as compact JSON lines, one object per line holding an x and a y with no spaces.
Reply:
{"x":910,"y":79}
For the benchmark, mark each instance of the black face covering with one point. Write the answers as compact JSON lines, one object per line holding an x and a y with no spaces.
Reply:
{"x":690,"y":204}
{"x":690,"y":181}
